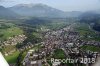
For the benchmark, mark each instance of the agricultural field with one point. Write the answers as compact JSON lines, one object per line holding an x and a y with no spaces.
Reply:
{"x":91,"y":48}
{"x":10,"y":32}
{"x":84,"y":29}
{"x":56,"y":25}
{"x":87,"y":32}
{"x":8,"y":29}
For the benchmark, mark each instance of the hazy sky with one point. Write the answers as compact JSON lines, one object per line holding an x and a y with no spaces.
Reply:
{"x":65,"y":5}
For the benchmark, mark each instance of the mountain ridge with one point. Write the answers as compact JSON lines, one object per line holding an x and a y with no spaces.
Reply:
{"x":37,"y":10}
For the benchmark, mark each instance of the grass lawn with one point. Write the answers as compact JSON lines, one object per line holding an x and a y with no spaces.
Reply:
{"x":12,"y":58}
{"x":59,"y":54}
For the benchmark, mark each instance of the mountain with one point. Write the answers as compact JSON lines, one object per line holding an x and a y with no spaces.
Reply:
{"x":7,"y":13}
{"x":37,"y":10}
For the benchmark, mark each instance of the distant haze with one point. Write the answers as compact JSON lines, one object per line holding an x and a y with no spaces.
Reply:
{"x":65,"y":5}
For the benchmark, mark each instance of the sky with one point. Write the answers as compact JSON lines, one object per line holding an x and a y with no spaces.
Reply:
{"x":65,"y":5}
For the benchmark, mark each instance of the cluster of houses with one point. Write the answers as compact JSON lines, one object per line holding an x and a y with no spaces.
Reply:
{"x":12,"y":41}
{"x":15,"y":40}
{"x":66,"y":39}
{"x":34,"y":58}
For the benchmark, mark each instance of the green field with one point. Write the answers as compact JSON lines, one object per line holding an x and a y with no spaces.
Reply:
{"x":59,"y":54}
{"x":91,"y":48}
{"x":37,"y":35}
{"x":56,"y":25}
{"x":10,"y":32}
{"x":86,"y":32}
{"x":84,"y":29}
{"x":12,"y":58}
{"x":7,"y":30}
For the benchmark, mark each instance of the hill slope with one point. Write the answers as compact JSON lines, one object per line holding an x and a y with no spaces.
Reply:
{"x":37,"y":10}
{"x":7,"y":13}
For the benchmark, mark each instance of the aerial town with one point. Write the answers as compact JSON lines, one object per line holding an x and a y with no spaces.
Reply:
{"x":49,"y":32}
{"x":66,"y":39}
